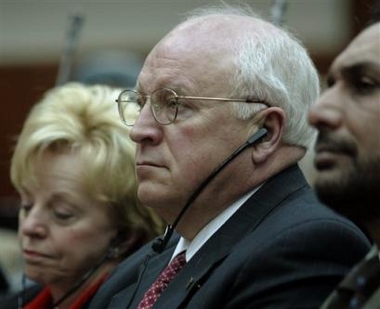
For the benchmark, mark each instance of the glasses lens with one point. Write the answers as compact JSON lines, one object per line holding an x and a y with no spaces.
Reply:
{"x":164,"y":105}
{"x":129,"y":107}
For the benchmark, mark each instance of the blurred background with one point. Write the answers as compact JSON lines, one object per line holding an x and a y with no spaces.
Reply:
{"x":110,"y":40}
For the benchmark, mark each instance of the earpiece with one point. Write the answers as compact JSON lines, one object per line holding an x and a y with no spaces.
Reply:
{"x":113,"y":253}
{"x":157,"y":245}
{"x":258,"y":136}
{"x":114,"y":250}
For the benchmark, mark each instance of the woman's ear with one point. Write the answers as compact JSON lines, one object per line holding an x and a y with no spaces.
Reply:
{"x":124,"y":244}
{"x":273,"y":120}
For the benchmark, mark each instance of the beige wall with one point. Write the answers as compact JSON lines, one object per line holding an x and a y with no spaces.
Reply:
{"x":35,"y":31}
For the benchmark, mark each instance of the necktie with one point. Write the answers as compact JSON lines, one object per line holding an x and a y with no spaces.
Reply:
{"x":163,"y":280}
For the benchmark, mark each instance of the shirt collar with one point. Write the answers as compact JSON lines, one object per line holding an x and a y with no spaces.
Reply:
{"x":192,"y":247}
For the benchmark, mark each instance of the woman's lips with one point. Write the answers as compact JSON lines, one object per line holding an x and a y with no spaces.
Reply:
{"x":31,"y":255}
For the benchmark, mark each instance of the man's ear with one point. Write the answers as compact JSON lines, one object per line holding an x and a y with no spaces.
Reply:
{"x":273,"y":119}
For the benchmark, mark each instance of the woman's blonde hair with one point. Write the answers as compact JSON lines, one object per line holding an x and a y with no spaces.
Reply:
{"x":84,"y":119}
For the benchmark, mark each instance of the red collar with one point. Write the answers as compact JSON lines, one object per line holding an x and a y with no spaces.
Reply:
{"x":44,"y":299}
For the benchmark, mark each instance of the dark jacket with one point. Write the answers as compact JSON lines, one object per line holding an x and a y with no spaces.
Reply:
{"x":281,"y":249}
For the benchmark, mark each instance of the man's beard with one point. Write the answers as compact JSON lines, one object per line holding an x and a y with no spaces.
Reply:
{"x":356,"y":194}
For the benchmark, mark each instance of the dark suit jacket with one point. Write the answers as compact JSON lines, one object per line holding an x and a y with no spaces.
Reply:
{"x":365,"y":276}
{"x":11,"y":301}
{"x":4,"y":286}
{"x":281,"y":249}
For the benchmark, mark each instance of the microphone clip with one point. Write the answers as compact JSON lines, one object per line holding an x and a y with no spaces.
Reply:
{"x":160,"y":243}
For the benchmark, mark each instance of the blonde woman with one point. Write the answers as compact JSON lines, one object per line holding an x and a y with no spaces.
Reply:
{"x":73,"y":166}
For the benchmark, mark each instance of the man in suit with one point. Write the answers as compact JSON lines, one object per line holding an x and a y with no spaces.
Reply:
{"x":255,"y":236}
{"x":347,"y":117}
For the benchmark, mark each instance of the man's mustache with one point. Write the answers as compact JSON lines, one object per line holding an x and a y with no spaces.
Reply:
{"x":328,"y":141}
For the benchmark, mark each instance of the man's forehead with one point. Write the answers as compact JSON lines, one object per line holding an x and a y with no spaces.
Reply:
{"x":365,"y":48}
{"x":220,"y":27}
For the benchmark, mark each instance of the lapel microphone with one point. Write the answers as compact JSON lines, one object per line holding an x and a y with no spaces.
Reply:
{"x":160,"y":243}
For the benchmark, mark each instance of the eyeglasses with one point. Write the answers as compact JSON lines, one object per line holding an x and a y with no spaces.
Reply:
{"x":164,"y":104}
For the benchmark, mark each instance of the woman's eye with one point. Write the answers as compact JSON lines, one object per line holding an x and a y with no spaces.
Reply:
{"x":60,"y":215}
{"x":63,"y":211}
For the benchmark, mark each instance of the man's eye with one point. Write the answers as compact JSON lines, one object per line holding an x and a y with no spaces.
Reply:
{"x":171,"y":103}
{"x":140,"y":102}
{"x":330,"y":81}
{"x":26,"y":207}
{"x":365,"y":85}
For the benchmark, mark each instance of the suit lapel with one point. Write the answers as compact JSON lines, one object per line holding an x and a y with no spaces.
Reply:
{"x":153,"y":268}
{"x":219,"y":246}
{"x":216,"y":249}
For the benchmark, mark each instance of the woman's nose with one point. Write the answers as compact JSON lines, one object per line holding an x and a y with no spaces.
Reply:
{"x":32,"y":223}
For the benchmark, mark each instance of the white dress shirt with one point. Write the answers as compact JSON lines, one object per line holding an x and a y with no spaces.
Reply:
{"x":210,"y":229}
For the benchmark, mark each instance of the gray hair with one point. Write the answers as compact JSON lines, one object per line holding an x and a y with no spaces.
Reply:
{"x":274,"y":67}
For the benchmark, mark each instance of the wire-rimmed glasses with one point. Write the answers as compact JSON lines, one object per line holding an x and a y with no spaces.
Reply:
{"x":164,"y":103}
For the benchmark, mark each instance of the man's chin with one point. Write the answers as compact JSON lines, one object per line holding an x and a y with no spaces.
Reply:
{"x":350,"y":201}
{"x":153,"y":196}
{"x":326,"y":177}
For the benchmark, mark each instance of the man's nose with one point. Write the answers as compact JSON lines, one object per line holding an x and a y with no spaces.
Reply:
{"x":146,"y":128}
{"x":326,"y":112}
